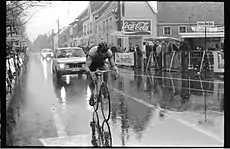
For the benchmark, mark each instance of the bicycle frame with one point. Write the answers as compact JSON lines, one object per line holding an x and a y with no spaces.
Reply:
{"x":100,"y":79}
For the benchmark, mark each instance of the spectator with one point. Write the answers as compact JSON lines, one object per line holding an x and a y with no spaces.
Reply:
{"x":144,"y":54}
{"x":184,"y":48}
{"x":158,"y":53}
{"x":139,"y":56}
{"x":163,"y":54}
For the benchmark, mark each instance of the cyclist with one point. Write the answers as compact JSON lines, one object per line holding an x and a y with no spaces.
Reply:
{"x":96,"y":60}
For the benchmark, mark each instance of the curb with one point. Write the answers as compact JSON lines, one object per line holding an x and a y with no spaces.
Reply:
{"x":14,"y":85}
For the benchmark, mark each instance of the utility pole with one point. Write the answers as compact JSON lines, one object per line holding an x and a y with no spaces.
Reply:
{"x":58,"y":33}
{"x":119,"y":21}
{"x":123,"y":20}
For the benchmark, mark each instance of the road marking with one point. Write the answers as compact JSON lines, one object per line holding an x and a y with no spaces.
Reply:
{"x":76,"y":140}
{"x":58,"y":123}
{"x":177,"y":119}
{"x":63,"y":138}
{"x":220,"y":82}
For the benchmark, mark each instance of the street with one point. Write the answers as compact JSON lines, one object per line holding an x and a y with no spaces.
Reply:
{"x":148,"y":109}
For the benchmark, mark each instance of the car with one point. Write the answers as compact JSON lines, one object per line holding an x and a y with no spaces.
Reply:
{"x":47,"y":53}
{"x":68,"y":61}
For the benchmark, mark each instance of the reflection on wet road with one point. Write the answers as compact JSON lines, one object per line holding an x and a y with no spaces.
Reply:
{"x":148,"y":109}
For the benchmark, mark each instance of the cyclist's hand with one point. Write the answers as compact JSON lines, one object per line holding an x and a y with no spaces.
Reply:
{"x":115,"y":73}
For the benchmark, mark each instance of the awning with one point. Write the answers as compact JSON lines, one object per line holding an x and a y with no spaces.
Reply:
{"x":162,"y":38}
{"x":208,"y":29}
{"x":201,"y":35}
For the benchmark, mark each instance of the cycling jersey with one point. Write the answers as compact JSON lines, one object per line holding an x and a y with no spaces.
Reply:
{"x":99,"y":59}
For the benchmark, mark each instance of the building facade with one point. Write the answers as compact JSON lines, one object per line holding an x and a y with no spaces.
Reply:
{"x":100,"y":22}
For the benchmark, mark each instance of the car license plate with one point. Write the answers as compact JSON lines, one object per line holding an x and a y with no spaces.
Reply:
{"x":75,"y":69}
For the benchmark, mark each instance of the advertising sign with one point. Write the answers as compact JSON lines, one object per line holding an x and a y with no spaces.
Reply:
{"x":126,"y":59}
{"x":218,"y":61}
{"x":137,"y":27}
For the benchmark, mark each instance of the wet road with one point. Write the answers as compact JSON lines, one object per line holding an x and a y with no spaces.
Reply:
{"x":148,"y":109}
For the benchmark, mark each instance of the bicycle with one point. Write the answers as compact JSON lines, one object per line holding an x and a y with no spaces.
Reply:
{"x":100,"y":137}
{"x":101,"y":92}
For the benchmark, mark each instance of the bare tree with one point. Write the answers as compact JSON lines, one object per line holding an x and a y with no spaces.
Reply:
{"x":18,"y":13}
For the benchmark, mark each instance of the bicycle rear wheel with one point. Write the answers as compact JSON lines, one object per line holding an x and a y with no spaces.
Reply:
{"x":105,"y":102}
{"x":106,"y":134}
{"x":96,"y":131}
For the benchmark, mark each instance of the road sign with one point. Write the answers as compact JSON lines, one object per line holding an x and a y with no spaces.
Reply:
{"x":205,"y":23}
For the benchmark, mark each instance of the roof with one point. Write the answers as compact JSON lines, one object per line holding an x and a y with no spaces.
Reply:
{"x":95,"y":5}
{"x":179,"y":12}
{"x":105,"y":6}
{"x":151,"y":6}
{"x":84,"y":13}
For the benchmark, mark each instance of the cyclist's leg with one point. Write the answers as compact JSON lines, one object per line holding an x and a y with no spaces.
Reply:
{"x":106,"y":74}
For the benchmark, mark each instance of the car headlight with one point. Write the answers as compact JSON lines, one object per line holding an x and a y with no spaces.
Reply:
{"x":83,"y":65}
{"x":67,"y":66}
{"x":62,"y":66}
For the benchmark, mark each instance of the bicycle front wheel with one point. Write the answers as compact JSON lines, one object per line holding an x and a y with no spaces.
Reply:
{"x":105,"y":102}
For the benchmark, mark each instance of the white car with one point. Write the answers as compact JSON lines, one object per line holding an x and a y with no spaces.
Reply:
{"x":68,"y":60}
{"x":47,"y":53}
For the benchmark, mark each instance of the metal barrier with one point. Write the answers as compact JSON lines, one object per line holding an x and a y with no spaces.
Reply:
{"x":192,"y":60}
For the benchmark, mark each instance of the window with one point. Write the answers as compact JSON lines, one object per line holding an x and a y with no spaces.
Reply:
{"x":107,"y":24}
{"x":91,"y":25}
{"x":100,"y":27}
{"x":95,"y":29}
{"x":87,"y":28}
{"x":166,"y":30}
{"x":182,"y":29}
{"x":84,"y":32}
{"x":103,"y":25}
{"x":110,"y":22}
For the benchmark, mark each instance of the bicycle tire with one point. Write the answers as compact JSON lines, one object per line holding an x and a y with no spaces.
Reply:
{"x":109,"y":132}
{"x":98,"y":129}
{"x":102,"y":103}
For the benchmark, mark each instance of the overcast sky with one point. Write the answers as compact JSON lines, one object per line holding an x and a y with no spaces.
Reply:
{"x":46,"y":18}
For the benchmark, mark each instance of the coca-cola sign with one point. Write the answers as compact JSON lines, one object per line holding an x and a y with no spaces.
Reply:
{"x":137,"y":27}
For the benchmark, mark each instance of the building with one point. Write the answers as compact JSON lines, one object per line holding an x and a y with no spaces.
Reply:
{"x":178,"y":17}
{"x":61,"y":37}
{"x":87,"y":20}
{"x":100,"y":22}
{"x":183,"y":19}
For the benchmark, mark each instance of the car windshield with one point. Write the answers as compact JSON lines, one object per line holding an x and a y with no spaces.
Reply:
{"x":65,"y":53}
{"x":47,"y":50}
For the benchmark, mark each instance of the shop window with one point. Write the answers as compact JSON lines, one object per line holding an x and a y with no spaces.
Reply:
{"x":182,"y":29}
{"x":167,"y":30}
